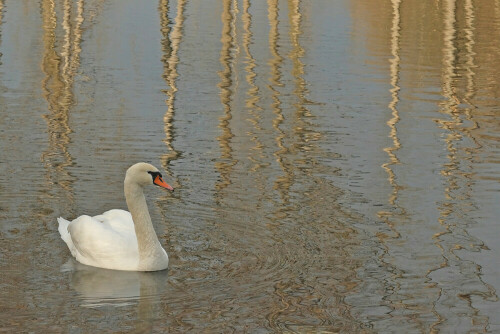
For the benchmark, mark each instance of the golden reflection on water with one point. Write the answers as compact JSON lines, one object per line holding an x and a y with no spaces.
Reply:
{"x":282,"y":238}
{"x":170,"y":43}
{"x":469,"y":30}
{"x":392,"y":123}
{"x":226,"y":163}
{"x":449,"y":108}
{"x":452,"y":46}
{"x":1,"y":22}
{"x":298,"y":286}
{"x":282,"y":183}
{"x":60,"y":70}
{"x":457,"y":171}
{"x":171,"y":39}
{"x":303,"y":129}
{"x":388,"y":216}
{"x":252,"y":101}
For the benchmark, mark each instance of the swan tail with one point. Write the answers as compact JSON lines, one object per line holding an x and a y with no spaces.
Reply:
{"x":63,"y":231}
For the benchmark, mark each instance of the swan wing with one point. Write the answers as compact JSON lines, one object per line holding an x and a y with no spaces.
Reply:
{"x":117,"y":220}
{"x":106,"y":241}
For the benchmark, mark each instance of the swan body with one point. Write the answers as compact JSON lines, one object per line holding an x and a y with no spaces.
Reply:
{"x":119,"y":239}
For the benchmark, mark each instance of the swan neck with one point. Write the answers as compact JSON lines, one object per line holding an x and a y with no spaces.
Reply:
{"x":147,"y":240}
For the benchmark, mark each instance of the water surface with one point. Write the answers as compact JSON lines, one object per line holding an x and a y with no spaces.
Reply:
{"x":336,"y":163}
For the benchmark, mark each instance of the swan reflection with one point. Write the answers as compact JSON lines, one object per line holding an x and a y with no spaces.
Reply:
{"x":99,"y":287}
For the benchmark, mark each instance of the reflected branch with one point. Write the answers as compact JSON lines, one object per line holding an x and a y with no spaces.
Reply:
{"x":60,"y":70}
{"x":392,"y":123}
{"x":283,"y":183}
{"x":171,"y":39}
{"x":251,"y":103}
{"x":1,"y":23}
{"x":456,"y":171}
{"x":226,"y":163}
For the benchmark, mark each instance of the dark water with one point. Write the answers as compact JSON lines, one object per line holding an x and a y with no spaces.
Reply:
{"x":337,"y":163}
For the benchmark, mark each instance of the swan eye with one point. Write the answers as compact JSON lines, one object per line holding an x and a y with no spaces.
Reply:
{"x":154,"y":174}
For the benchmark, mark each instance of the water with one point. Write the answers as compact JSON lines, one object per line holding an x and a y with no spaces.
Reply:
{"x":336,"y":163}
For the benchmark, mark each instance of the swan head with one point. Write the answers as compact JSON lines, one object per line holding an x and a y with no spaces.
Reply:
{"x":144,"y":174}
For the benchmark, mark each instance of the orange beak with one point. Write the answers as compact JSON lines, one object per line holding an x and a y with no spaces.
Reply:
{"x":159,"y":182}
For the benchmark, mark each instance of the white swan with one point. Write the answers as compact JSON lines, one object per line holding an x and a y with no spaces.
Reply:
{"x":112,"y":240}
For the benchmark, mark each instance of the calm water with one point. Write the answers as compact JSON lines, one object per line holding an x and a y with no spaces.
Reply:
{"x":337,"y":163}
